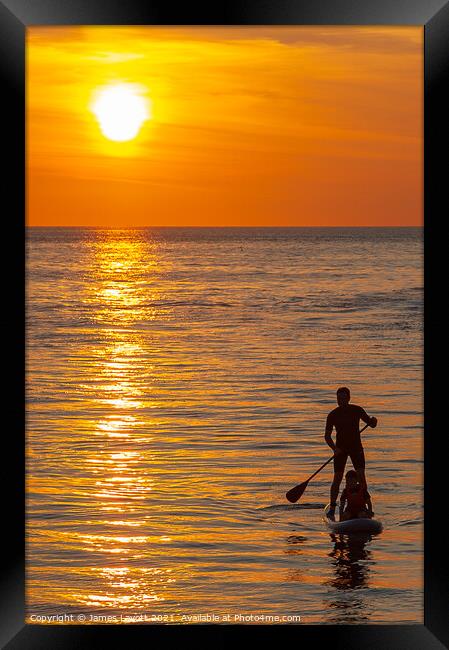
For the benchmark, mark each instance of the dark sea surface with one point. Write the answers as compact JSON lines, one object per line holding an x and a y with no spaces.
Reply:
{"x":178,"y":382}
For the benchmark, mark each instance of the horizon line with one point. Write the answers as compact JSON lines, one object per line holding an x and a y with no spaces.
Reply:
{"x":217,"y":227}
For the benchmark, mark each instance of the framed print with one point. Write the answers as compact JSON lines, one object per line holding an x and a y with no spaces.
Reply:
{"x":222,"y":403}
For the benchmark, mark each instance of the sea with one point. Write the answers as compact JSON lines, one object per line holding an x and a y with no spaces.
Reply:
{"x":177,"y":385}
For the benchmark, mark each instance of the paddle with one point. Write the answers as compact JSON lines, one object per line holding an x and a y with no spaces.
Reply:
{"x":296,"y":493}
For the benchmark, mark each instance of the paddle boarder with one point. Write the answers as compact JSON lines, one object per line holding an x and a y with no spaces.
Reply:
{"x":346,"y":420}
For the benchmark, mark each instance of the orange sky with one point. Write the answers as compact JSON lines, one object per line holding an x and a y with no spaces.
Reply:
{"x":251,"y":126}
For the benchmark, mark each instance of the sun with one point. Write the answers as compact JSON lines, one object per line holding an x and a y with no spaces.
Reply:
{"x":121,"y":109}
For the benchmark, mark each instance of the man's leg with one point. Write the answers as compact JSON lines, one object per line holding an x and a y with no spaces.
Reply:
{"x":362,"y":478}
{"x":358,"y":461}
{"x":339,"y":467}
{"x":335,"y":487}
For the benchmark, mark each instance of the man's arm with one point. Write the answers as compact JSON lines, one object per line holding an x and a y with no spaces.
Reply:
{"x":328,"y":433}
{"x":366,"y":418}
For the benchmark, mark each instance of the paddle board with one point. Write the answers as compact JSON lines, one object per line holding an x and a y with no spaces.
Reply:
{"x":360,"y":525}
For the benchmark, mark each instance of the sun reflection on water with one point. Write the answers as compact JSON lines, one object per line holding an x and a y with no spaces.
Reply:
{"x":120,"y":382}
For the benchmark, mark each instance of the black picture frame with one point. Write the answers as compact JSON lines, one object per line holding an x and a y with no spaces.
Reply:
{"x":15,"y":17}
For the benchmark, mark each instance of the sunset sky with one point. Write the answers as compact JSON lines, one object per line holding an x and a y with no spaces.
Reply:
{"x":250,"y":126}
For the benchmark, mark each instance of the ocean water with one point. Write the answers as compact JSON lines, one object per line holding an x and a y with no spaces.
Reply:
{"x":178,"y":382}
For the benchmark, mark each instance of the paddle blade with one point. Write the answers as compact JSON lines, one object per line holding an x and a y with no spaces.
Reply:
{"x":296,"y":493}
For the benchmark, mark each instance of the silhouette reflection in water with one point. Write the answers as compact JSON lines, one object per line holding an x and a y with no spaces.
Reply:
{"x":351,"y":560}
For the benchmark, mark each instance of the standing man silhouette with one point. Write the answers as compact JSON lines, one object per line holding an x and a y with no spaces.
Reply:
{"x":346,"y":420}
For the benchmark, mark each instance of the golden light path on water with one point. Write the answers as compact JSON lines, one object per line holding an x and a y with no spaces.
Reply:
{"x":177,"y":385}
{"x":121,"y":488}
